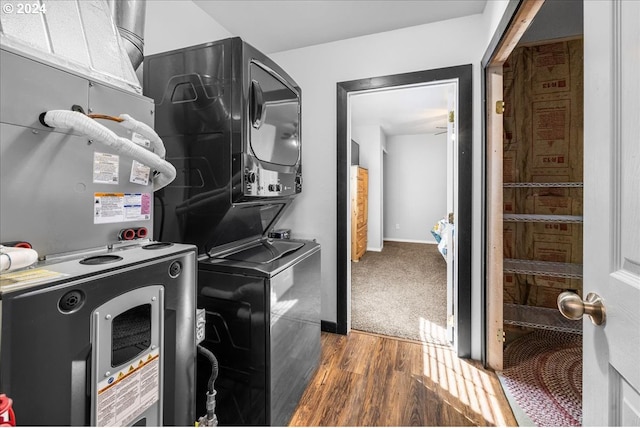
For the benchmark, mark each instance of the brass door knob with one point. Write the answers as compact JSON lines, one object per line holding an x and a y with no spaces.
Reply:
{"x":572,"y":307}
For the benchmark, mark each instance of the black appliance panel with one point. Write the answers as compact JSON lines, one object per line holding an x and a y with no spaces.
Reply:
{"x":230,"y":121}
{"x":264,"y":328}
{"x":272,"y":95}
{"x":191,"y":89}
{"x":264,"y":251}
{"x":236,"y":332}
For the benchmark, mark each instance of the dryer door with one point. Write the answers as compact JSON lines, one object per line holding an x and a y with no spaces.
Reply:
{"x":274,"y":116}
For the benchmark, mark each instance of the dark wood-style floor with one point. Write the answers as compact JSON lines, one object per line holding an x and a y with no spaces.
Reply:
{"x":371,"y":380}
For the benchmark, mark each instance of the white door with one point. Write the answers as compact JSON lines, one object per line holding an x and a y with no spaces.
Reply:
{"x":611,"y":376}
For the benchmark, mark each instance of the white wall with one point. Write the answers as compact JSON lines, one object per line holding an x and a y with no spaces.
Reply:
{"x":380,"y":207}
{"x":371,"y":139}
{"x":415,"y":186}
{"x":172,"y":24}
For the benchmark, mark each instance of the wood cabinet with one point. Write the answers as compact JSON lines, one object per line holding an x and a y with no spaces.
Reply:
{"x":359,"y":211}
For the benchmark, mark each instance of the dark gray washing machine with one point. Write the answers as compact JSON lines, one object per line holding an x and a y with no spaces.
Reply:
{"x":262,"y":304}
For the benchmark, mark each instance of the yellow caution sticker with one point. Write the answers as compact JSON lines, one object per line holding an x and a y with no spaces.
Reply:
{"x":124,"y":397}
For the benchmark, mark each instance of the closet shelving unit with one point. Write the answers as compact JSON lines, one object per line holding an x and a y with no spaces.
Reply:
{"x":539,"y":318}
{"x":532,"y":316}
{"x":542,"y":218}
{"x":529,"y":185}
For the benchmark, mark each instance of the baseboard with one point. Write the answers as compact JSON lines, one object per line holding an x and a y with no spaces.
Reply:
{"x":328,"y":326}
{"x":377,"y":249}
{"x":413,"y":241}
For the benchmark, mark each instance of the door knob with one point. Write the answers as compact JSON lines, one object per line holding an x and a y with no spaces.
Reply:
{"x":572,"y":307}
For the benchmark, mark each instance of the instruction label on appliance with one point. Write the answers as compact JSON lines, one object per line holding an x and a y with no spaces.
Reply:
{"x":140,"y":140}
{"x":130,"y":392}
{"x":26,"y":277}
{"x":121,"y":207}
{"x":106,"y":168}
{"x":139,"y":173}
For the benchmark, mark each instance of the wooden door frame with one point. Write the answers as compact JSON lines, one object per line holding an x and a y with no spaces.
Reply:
{"x":464,"y":75}
{"x":515,"y":21}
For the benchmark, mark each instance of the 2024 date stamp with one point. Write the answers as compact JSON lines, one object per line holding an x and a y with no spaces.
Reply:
{"x":26,"y":8}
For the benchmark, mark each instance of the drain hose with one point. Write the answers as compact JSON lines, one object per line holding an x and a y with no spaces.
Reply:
{"x":214,"y":366}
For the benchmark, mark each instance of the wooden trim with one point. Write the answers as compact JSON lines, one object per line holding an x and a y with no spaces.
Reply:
{"x":494,"y":237}
{"x":521,"y":21}
{"x":501,"y":29}
{"x":522,"y":17}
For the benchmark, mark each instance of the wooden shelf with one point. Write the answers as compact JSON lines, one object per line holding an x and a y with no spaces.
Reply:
{"x":533,"y":267}
{"x":528,"y":185}
{"x":540,"y":318}
{"x":542,"y":218}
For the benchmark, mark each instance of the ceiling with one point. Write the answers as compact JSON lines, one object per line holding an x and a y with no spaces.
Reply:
{"x":276,"y":26}
{"x":404,"y":111}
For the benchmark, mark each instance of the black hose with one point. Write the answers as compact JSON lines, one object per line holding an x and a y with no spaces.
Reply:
{"x":214,"y":366}
{"x":162,"y":208}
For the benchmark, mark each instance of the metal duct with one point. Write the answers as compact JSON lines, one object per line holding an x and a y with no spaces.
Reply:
{"x":129,"y":16}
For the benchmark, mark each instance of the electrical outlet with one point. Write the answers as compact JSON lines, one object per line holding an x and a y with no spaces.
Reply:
{"x":397,"y":226}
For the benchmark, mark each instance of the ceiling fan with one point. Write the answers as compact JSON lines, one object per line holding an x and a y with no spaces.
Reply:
{"x":441,"y":132}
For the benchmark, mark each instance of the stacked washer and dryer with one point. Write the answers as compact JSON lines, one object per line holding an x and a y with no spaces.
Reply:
{"x":230,"y":119}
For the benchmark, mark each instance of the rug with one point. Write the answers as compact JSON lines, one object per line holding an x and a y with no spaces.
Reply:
{"x":401,"y":292}
{"x":543,"y":372}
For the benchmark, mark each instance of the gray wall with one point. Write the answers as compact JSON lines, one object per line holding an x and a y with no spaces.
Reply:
{"x":556,"y":19}
{"x":415,"y":186}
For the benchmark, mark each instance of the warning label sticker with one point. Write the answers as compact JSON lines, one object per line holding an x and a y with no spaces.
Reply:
{"x":139,"y":173}
{"x":120,"y":207}
{"x":140,"y":140}
{"x":126,"y":395}
{"x":105,"y":168}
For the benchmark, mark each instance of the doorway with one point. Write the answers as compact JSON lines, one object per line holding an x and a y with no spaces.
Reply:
{"x":461,"y":319}
{"x":400,"y":141}
{"x":534,"y":167}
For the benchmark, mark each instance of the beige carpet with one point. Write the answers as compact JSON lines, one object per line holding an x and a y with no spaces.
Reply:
{"x":401,"y":292}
